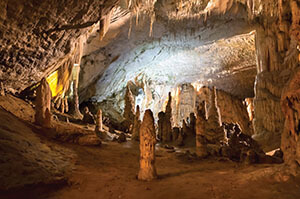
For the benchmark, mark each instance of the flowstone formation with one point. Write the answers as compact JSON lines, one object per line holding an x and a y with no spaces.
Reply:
{"x":43,"y":105}
{"x":214,"y":131}
{"x":147,"y":170}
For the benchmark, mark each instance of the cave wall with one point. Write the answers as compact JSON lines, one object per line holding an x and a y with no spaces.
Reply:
{"x":277,"y":58}
{"x":35,"y":36}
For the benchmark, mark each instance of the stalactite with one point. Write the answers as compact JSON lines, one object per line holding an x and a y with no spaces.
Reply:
{"x":130,"y":26}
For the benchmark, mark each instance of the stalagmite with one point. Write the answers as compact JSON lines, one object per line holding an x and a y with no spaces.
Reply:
{"x":161,"y":119}
{"x":43,"y":104}
{"x":2,"y":92}
{"x":147,"y":170}
{"x":200,"y":131}
{"x":66,"y":105}
{"x":167,"y":134}
{"x":62,"y":106}
{"x":99,"y":125}
{"x":214,"y":131}
{"x":129,"y":108}
{"x":192,"y":123}
{"x":136,"y":125}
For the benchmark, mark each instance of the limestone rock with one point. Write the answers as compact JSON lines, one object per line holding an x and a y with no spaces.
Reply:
{"x":43,"y":104}
{"x":147,"y":170}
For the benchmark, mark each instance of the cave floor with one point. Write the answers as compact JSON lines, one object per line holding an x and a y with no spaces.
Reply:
{"x":110,"y":172}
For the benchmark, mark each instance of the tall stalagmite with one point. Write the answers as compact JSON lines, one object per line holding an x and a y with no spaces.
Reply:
{"x":136,"y":125}
{"x":200,"y":131}
{"x":147,"y":148}
{"x":99,"y":125}
{"x":43,"y":104}
{"x":129,"y":108}
{"x":214,"y":131}
{"x":167,"y":134}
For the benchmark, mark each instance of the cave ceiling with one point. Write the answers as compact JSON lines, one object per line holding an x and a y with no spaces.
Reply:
{"x":191,"y":40}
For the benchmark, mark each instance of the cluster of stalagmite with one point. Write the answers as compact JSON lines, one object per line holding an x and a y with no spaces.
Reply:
{"x":136,"y":125}
{"x":147,"y":148}
{"x":43,"y":104}
{"x":214,"y":132}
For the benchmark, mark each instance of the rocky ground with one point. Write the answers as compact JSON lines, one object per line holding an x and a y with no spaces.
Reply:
{"x":36,"y":166}
{"x":110,"y":172}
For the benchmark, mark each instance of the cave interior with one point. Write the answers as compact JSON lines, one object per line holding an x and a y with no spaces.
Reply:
{"x":149,"y":99}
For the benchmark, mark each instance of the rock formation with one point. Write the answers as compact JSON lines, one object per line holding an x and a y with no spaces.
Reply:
{"x":201,"y":150}
{"x":74,"y":101}
{"x":136,"y":125}
{"x":175,"y":133}
{"x":147,"y":170}
{"x":278,"y":57}
{"x":43,"y":104}
{"x":161,"y":130}
{"x":164,"y":126}
{"x":242,"y":148}
{"x":214,"y":132}
{"x":129,"y":108}
{"x":192,"y":123}
{"x":2,"y":92}
{"x":290,"y":142}
{"x":167,"y":134}
{"x":99,"y":124}
{"x":88,"y":118}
